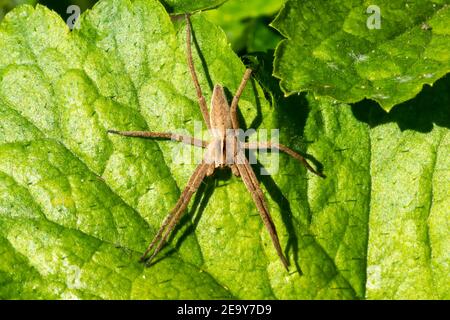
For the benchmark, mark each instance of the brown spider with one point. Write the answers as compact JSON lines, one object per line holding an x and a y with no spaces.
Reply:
{"x":224,"y":150}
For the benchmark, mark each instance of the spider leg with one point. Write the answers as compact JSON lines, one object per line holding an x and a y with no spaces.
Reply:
{"x":165,"y":222}
{"x":292,"y":153}
{"x":162,"y":135}
{"x":237,"y":96}
{"x":251,"y":182}
{"x":235,"y":170}
{"x":174,"y":216}
{"x":198,"y":89}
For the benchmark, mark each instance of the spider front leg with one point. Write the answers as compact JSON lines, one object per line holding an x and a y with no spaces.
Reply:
{"x":174,"y":216}
{"x":252,"y":184}
{"x":234,"y":120}
{"x":162,"y":135}
{"x":292,"y":153}
{"x":198,"y":89}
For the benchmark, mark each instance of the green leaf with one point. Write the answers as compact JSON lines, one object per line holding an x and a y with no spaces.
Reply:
{"x":79,"y":206}
{"x":330,"y":50}
{"x":7,"y":5}
{"x":185,"y":6}
{"x":409,"y":217}
{"x":244,"y":22}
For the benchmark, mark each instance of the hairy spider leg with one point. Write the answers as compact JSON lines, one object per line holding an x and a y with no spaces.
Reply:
{"x":175,"y":215}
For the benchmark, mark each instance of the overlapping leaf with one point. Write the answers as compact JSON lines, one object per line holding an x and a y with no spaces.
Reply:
{"x":335,"y":48}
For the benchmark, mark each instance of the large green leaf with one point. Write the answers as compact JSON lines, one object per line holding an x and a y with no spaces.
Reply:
{"x":78,"y":206}
{"x":330,"y":50}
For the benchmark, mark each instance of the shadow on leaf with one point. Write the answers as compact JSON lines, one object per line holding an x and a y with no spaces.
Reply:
{"x":430,"y":107}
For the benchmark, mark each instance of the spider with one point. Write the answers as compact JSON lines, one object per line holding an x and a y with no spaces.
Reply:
{"x":224,"y":150}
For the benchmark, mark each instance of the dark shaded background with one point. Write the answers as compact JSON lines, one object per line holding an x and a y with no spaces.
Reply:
{"x":60,"y":6}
